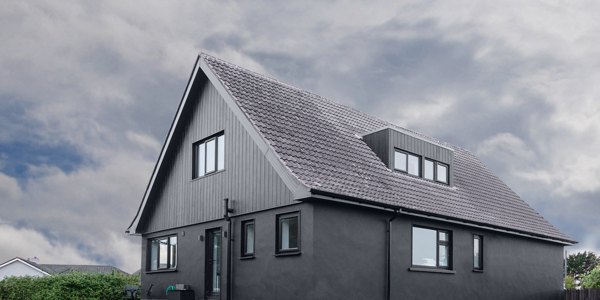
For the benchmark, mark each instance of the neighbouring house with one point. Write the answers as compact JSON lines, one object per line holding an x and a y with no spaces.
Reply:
{"x":23,"y":267}
{"x":266,"y":191}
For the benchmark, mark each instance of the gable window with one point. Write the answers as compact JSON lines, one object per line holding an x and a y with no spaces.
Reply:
{"x":248,"y":238}
{"x":478,"y":252}
{"x":209,"y":155}
{"x":288,"y":233}
{"x":431,"y":248}
{"x":407,"y":162}
{"x":163,"y":253}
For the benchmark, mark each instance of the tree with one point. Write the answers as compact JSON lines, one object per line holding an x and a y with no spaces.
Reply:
{"x":581,"y":263}
{"x":592,"y":280}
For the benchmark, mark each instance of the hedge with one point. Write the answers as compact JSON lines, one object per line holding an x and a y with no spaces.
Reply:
{"x":66,"y":286}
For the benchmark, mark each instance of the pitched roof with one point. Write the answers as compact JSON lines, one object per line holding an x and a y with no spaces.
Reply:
{"x":89,"y":269}
{"x":31,"y":264}
{"x":317,"y":140}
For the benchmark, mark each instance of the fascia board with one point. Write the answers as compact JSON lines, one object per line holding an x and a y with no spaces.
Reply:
{"x":298,"y":189}
{"x":25,"y":263}
{"x":163,"y":151}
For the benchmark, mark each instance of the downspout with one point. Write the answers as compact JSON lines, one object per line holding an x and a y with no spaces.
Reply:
{"x":388,"y":256}
{"x":229,"y":252}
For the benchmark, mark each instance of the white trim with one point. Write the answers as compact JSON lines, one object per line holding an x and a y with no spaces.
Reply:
{"x":25,"y":263}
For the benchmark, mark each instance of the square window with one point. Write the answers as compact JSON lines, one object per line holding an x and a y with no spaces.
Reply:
{"x":288,"y":233}
{"x":431,"y":248}
{"x":163,"y":253}
{"x":248,"y":238}
{"x":209,"y":155}
{"x":442,"y":173}
{"x":428,"y":169}
{"x":478,"y":252}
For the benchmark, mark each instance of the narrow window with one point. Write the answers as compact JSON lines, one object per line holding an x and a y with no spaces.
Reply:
{"x":428,"y":169}
{"x":288,"y":235}
{"x":478,"y":252}
{"x":442,"y":173}
{"x":248,"y":238}
{"x":400,"y":161}
{"x":163,"y":253}
{"x":431,"y":248}
{"x":414,"y":164}
{"x":209,"y":156}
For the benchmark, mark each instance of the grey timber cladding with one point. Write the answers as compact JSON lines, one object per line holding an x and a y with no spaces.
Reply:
{"x":383,"y":143}
{"x":248,"y":179}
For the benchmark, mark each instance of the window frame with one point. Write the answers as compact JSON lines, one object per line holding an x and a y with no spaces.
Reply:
{"x":195,"y":153}
{"x":169,"y":256}
{"x":480,"y":238}
{"x":278,"y":237}
{"x":437,"y":248}
{"x":244,"y":249}
{"x":447,"y":182}
{"x":408,"y":155}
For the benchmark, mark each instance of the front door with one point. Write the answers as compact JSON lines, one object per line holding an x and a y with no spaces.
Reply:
{"x":213,"y":264}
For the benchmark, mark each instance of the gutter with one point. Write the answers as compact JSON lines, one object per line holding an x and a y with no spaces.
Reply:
{"x":229,"y":252}
{"x":388,"y":262}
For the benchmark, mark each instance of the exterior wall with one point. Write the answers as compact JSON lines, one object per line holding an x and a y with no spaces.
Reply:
{"x":263,"y":277}
{"x":18,"y":268}
{"x":248,"y":180}
{"x":350,"y":252}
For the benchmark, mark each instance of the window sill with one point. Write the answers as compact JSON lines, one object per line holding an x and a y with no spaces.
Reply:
{"x":208,"y":175}
{"x":288,"y":254}
{"x":477,"y":271}
{"x":432,"y":270}
{"x":161,"y":271}
{"x":247,"y":257}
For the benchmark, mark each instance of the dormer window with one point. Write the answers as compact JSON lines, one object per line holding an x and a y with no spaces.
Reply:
{"x":407,"y":162}
{"x":411,"y":164}
{"x":435,"y":171}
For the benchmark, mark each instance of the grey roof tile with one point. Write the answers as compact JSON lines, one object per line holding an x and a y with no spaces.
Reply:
{"x":316,"y":139}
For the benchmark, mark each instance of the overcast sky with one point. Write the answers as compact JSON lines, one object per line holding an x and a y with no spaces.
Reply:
{"x":88,"y":91}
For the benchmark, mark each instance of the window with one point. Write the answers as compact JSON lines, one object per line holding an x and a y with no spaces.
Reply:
{"x":441,"y":173}
{"x":248,"y":238}
{"x":428,"y":169}
{"x":478,"y":252}
{"x":209,"y":155}
{"x":407,"y":162}
{"x":431,"y":248}
{"x":433,"y":170}
{"x":288,"y":233}
{"x":163,"y":253}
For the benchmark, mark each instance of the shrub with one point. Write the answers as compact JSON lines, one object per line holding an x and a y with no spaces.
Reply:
{"x":570,"y":282}
{"x":592,"y":280}
{"x":66,"y":286}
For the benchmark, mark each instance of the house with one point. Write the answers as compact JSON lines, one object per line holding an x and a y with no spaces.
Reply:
{"x":266,"y":191}
{"x":31,"y":267}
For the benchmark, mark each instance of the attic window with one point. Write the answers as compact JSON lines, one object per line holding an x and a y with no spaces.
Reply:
{"x":410,"y":163}
{"x":209,"y":155}
{"x":407,"y":162}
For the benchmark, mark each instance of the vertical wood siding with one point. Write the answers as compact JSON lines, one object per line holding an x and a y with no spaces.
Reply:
{"x":248,"y":180}
{"x":384,"y":141}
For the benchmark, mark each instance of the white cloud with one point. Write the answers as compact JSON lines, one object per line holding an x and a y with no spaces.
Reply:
{"x":9,"y":187}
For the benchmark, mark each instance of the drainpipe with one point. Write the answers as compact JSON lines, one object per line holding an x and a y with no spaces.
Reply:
{"x":229,"y":252}
{"x":388,"y":256}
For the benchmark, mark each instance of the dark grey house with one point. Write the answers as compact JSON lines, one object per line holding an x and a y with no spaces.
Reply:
{"x":326,"y":202}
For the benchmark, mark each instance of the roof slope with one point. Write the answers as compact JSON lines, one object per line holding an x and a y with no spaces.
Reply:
{"x":318,"y":142}
{"x":89,"y":269}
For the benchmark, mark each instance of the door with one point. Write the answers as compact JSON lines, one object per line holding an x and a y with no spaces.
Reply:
{"x":213,"y":264}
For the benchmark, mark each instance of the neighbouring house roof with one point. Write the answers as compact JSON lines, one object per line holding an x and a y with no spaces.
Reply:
{"x":62,"y":269}
{"x":319,"y":143}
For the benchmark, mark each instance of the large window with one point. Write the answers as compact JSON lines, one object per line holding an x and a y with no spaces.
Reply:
{"x":411,"y":164}
{"x":209,"y":155}
{"x":431,"y":248}
{"x":407,"y":162}
{"x":288,"y":233}
{"x":163,"y":253}
{"x":248,"y":238}
{"x":478,"y":252}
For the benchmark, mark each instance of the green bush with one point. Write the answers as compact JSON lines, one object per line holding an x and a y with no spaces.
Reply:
{"x":66,"y":286}
{"x":592,"y":280}
{"x":570,"y":282}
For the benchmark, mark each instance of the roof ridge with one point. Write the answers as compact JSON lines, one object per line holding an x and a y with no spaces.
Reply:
{"x":325,"y":99}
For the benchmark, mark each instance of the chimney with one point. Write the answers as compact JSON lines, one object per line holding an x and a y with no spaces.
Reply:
{"x":34,"y":260}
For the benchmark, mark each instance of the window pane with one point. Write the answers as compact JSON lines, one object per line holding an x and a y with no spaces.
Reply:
{"x":162,"y":251}
{"x":476,"y":253}
{"x":424,"y":247}
{"x":442,"y":173}
{"x":443,"y":236}
{"x":216,"y":272}
{"x":413,"y":165}
{"x":154,"y":255}
{"x":289,"y":233}
{"x":249,"y":238}
{"x":210,"y":156}
{"x":201,"y":159}
{"x":400,"y":161}
{"x":444,"y":255}
{"x":173,"y":244}
{"x":428,"y":170}
{"x":221,"y":154}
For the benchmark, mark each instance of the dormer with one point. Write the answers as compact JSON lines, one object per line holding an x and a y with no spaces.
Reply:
{"x":408,"y":153}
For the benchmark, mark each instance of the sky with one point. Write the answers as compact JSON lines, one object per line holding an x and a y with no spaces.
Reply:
{"x":88,"y":90}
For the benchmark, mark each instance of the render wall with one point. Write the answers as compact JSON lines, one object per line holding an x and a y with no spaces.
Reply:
{"x":248,"y":179}
{"x":18,"y":269}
